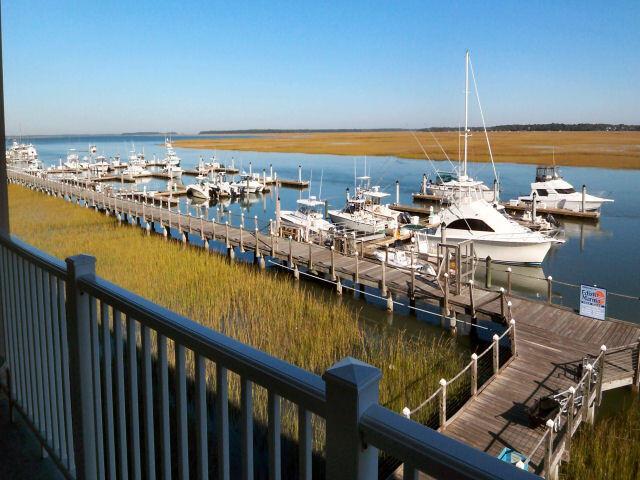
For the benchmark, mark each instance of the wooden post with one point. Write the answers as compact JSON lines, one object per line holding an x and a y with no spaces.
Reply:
{"x":257,"y":251}
{"x":310,"y":262}
{"x":333,"y":267}
{"x":549,"y":289}
{"x":443,"y":403}
{"x":496,"y":354}
{"x":512,"y":335}
{"x":241,"y":240}
{"x":290,"y":251}
{"x":603,"y":354}
{"x":570,"y":418}
{"x":474,"y":374}
{"x":586,"y":394}
{"x":273,"y":250}
{"x":548,"y":454}
{"x":412,"y":295}
{"x":446,"y":294}
{"x":509,"y":280}
{"x":487,"y":280}
{"x":502,"y":303}
{"x":471,"y":300}
{"x":383,"y":281}
{"x":636,"y":380}
{"x":356,"y":277}
{"x":226,"y":233}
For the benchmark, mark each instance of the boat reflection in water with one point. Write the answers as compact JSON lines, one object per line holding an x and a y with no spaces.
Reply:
{"x":525,"y":280}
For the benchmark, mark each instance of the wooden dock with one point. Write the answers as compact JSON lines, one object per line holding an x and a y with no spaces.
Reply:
{"x":556,"y":212}
{"x":548,"y":342}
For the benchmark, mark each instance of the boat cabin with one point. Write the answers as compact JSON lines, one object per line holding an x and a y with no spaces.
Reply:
{"x":445,"y":177}
{"x":374,"y":196}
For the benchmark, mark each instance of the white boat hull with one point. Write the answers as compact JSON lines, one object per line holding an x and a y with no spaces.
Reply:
{"x":198,"y":191}
{"x":355,"y":224}
{"x":521,"y":252}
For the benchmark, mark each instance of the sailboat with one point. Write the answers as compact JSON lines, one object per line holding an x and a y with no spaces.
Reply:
{"x":446,"y":183}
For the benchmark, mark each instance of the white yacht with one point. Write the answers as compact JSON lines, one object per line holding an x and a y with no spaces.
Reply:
{"x":308,"y":217}
{"x":21,"y":152}
{"x":73,"y":161}
{"x":222,"y":188}
{"x":553,"y":191}
{"x":494,"y":234}
{"x":173,"y":170}
{"x":171,"y":157}
{"x":355,"y":217}
{"x":201,"y":190}
{"x":136,"y":170}
{"x":247,"y":184}
{"x":373,"y":198}
{"x":100,"y":165}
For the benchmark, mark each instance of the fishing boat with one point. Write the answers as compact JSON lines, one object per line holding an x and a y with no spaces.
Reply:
{"x":136,"y":170}
{"x":308,"y":217}
{"x":73,"y":161}
{"x":550,"y":190}
{"x":247,"y":184}
{"x":355,"y":217}
{"x":222,"y":188}
{"x":494,"y":234}
{"x":201,"y":189}
{"x":172,"y":170}
{"x":171,"y":157}
{"x":100,"y":165}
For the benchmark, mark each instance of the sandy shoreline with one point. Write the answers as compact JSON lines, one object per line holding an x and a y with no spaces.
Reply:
{"x":588,"y":149}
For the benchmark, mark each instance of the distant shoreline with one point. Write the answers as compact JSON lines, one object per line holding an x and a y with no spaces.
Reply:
{"x":603,"y":149}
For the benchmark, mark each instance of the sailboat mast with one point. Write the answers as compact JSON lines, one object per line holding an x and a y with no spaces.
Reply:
{"x":466,"y":111}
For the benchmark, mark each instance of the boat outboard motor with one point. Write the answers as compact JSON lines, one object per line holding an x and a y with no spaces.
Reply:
{"x":404,"y":218}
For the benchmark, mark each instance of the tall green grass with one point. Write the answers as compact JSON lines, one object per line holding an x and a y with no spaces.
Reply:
{"x":608,"y":450}
{"x":302,"y":324}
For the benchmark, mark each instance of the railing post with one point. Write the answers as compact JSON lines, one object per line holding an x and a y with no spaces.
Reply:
{"x":586,"y":393}
{"x":549,"y":289}
{"x":80,"y":360}
{"x":474,"y":374}
{"x":636,"y":380}
{"x":496,"y":354}
{"x":509,"y":280}
{"x":443,"y":403}
{"x":548,"y":454}
{"x":570,"y":417}
{"x":333,"y":265}
{"x":352,"y":387}
{"x":512,"y":336}
{"x":603,"y":353}
{"x":487,"y":277}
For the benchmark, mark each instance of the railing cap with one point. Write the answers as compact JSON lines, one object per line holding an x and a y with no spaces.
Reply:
{"x":512,"y":321}
{"x":495,"y":337}
{"x":443,"y":382}
{"x":352,"y":371}
{"x":603,"y":348}
{"x":474,"y":356}
{"x":550,"y":423}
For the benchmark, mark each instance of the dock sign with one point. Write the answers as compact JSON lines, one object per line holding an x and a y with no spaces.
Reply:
{"x":593,"y":302}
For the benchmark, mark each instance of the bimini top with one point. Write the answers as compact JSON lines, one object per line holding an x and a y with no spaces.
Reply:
{"x":310,"y":202}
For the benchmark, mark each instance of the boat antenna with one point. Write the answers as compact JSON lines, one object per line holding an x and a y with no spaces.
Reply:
{"x":484,"y":125}
{"x":310,"y":180}
{"x":466,"y":111}
{"x":320,"y":191}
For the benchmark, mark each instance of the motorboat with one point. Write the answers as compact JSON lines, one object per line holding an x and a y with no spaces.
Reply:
{"x":117,"y":163}
{"x":171,"y":157}
{"x":248,"y":184}
{"x":201,"y":189}
{"x":172,"y":170}
{"x":403,"y":259}
{"x":100,"y":165}
{"x":550,"y":190}
{"x":373,"y":198}
{"x":308,"y":217}
{"x":73,"y":161}
{"x":221,"y":188}
{"x":136,"y":170}
{"x":493,"y":233}
{"x":355,"y":217}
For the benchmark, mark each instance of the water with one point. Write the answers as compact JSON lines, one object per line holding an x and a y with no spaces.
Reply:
{"x":603,"y":254}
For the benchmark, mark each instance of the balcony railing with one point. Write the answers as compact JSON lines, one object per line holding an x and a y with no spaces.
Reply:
{"x":108,"y":382}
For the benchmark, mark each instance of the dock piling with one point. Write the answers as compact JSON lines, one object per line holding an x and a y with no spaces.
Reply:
{"x":496,"y":354}
{"x":389,"y":302}
{"x":549,"y":289}
{"x":474,"y":374}
{"x":241,"y":240}
{"x":443,"y":404}
{"x":509,"y":280}
{"x":333,"y":267}
{"x":487,"y":281}
{"x":383,"y":281}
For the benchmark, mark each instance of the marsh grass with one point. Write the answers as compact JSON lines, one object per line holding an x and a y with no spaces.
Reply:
{"x":589,"y":149}
{"x":610,"y":449}
{"x":300,"y":323}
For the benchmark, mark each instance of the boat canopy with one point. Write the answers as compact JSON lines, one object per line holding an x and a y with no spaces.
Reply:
{"x":546,"y":173}
{"x":444,"y":177}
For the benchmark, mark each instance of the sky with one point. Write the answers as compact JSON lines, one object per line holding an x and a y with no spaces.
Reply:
{"x":122,"y":66}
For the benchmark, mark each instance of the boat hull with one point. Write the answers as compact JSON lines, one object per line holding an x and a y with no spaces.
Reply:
{"x":354,"y":224}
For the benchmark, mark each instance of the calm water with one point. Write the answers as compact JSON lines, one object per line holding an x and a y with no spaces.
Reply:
{"x":604,"y":254}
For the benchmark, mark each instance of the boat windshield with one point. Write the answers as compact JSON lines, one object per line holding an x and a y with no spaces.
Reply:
{"x":445,"y":177}
{"x":544,"y":174}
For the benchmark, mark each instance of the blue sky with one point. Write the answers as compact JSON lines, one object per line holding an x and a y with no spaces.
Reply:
{"x":115,"y":66}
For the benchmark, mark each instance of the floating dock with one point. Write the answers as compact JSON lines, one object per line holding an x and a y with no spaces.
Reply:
{"x":556,"y":212}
